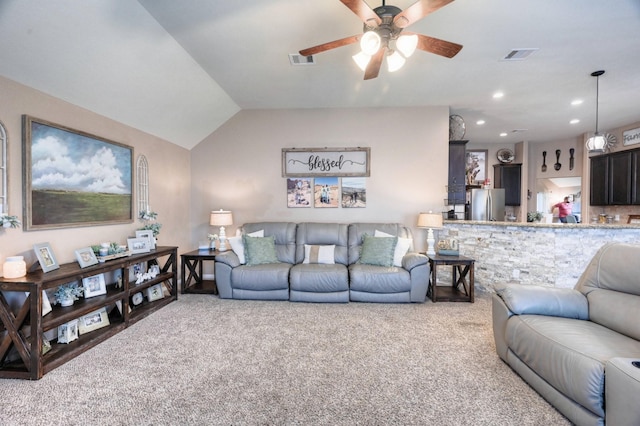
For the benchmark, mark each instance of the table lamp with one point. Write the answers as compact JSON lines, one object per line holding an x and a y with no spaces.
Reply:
{"x":430,"y":220}
{"x":221,"y":218}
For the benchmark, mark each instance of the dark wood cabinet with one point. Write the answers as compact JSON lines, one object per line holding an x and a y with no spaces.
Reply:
{"x":456,"y":192}
{"x":615,"y":178}
{"x":509,"y":177}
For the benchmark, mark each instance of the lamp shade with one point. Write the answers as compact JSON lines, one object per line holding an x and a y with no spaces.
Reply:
{"x":221,"y":218}
{"x":596,"y":143}
{"x":370,"y":42}
{"x":407,"y":44}
{"x":430,"y":220}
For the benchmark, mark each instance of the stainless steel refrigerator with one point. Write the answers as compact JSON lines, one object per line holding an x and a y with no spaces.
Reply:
{"x":485,"y":204}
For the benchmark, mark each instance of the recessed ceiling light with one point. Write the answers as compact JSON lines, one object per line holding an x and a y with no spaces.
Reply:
{"x":574,"y":121}
{"x":498,"y":95}
{"x":480,"y":122}
{"x":503,"y":134}
{"x":576,"y":102}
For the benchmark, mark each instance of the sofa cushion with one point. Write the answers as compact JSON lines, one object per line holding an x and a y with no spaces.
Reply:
{"x":319,"y":278}
{"x":260,"y":250}
{"x":378,"y":251}
{"x":569,"y":354}
{"x":402,"y":247}
{"x":319,"y":254}
{"x":237,"y":244}
{"x":266,"y":277}
{"x":378,"y":279}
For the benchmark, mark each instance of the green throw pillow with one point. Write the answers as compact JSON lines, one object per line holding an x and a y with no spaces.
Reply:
{"x":378,"y":250}
{"x":260,"y":250}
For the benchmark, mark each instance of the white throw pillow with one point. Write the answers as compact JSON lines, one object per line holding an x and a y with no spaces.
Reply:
{"x":402,"y":247}
{"x":319,"y":254}
{"x":238,"y":246}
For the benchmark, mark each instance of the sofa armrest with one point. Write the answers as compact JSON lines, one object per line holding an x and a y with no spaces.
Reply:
{"x":622,"y":386}
{"x":412,"y":260}
{"x":538,"y":300}
{"x":228,"y":258}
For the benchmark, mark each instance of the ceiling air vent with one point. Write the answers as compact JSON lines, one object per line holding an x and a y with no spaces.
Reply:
{"x":296,"y":59}
{"x":519,"y":54}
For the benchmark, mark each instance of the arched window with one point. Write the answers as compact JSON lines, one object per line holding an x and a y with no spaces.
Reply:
{"x":142,"y":177}
{"x":4,"y":196}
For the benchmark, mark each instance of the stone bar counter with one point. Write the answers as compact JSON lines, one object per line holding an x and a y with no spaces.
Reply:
{"x":547,"y":254}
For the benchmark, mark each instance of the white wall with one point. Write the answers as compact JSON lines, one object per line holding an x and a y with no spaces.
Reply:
{"x":169,"y":177}
{"x":238,"y":167}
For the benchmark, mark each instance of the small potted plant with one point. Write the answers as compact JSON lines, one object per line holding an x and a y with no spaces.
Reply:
{"x":212,"y":240}
{"x":66,"y":294}
{"x":8,"y":221}
{"x":534,"y":216}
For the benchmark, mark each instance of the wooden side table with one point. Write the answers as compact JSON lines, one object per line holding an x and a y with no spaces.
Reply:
{"x":192,"y":264}
{"x":462,"y":283}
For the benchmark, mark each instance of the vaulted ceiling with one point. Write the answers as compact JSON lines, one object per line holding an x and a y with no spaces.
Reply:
{"x":180,"y":69}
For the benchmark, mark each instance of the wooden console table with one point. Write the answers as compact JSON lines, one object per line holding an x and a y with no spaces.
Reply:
{"x":461,"y":289}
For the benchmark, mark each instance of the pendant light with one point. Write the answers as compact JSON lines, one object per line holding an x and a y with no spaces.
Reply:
{"x":597,"y":142}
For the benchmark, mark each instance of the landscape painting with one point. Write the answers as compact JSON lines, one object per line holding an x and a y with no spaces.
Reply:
{"x":354,"y":192}
{"x":73,"y":178}
{"x":326,"y":190}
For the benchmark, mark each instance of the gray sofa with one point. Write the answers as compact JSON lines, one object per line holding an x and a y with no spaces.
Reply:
{"x":344,"y":279}
{"x":575,"y":346}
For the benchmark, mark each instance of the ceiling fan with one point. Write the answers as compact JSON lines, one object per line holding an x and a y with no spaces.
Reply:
{"x":383,"y":35}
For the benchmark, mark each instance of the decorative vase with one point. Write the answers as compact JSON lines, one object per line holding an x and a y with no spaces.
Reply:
{"x":66,"y":302}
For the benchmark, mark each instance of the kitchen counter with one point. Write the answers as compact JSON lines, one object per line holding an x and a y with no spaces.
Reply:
{"x":532,"y":253}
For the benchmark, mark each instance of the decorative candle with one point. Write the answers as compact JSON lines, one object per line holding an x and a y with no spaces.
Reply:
{"x":14,"y":267}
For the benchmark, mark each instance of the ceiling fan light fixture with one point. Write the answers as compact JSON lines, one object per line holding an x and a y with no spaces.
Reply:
{"x":407,"y":44}
{"x":395,"y":61}
{"x":370,"y":43}
{"x":361,"y":60}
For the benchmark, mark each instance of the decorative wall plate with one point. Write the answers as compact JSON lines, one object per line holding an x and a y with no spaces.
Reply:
{"x":505,"y":155}
{"x":457,"y":128}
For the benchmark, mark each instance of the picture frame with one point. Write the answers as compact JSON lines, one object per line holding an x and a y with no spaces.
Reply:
{"x":93,"y":321}
{"x":354,"y":192}
{"x":138,"y":245}
{"x":476,"y":166}
{"x":68,"y":332}
{"x":94,"y":286}
{"x":154,"y":292}
{"x":45,"y":256}
{"x":326,"y":191}
{"x":86,"y":257}
{"x":93,"y":174}
{"x":299,"y":192}
{"x":148,"y":234}
{"x":311,"y":162}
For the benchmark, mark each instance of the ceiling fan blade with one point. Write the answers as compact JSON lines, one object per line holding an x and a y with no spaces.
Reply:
{"x":417,"y":11}
{"x":437,"y":46}
{"x":330,"y":45}
{"x":373,"y":68}
{"x":364,"y":12}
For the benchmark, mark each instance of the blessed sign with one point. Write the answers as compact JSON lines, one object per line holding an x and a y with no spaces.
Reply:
{"x":306,"y":162}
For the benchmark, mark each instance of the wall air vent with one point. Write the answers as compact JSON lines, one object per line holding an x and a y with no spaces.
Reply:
{"x":296,"y":59}
{"x":519,"y":54}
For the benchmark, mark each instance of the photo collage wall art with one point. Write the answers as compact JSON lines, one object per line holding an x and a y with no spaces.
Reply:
{"x":326,"y":192}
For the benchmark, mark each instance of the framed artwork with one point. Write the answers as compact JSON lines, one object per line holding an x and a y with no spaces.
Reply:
{"x":155,"y":292}
{"x":476,"y":166}
{"x":64,"y":167}
{"x":94,"y":286}
{"x":45,"y":257}
{"x":354,"y":192}
{"x":301,"y":162}
{"x":299,"y":192}
{"x":138,"y":245}
{"x":148,"y":234}
{"x":86,"y":257}
{"x":93,"y":321}
{"x":326,"y":190}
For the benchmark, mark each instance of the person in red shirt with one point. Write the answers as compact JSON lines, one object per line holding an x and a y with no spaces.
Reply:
{"x":564,"y":209}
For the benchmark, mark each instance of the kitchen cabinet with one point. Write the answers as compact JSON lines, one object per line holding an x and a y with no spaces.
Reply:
{"x":615,"y":178}
{"x":509,"y":177}
{"x":456,"y":192}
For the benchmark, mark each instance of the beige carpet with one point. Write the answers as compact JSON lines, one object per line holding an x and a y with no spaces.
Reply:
{"x":206,"y":361}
